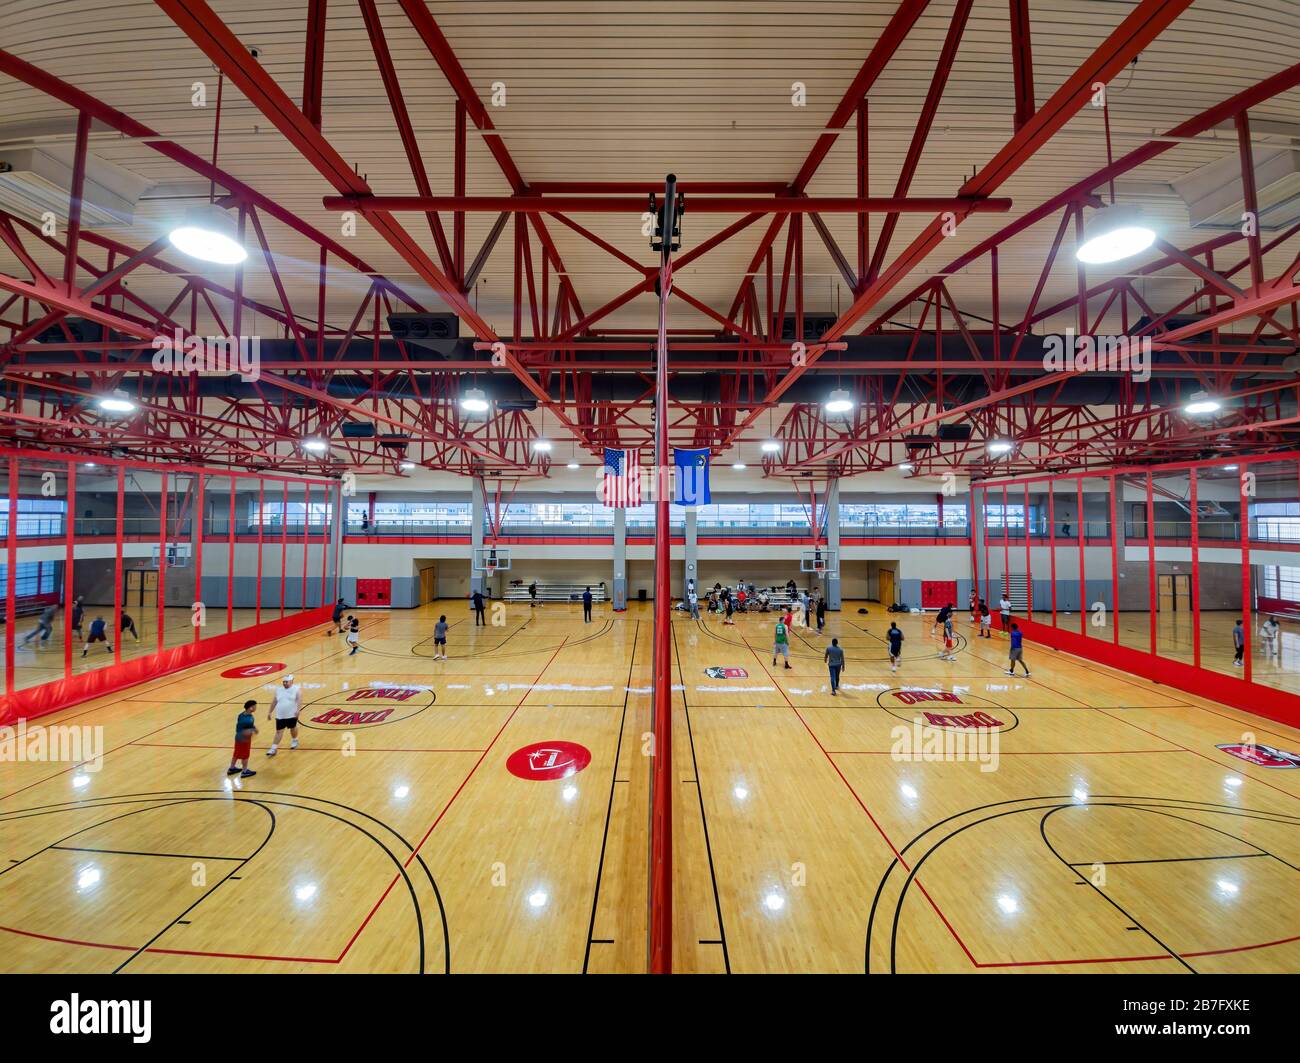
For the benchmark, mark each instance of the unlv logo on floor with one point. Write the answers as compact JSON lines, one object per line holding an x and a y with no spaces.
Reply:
{"x":252,"y":671}
{"x":947,"y":710}
{"x":1264,"y":756}
{"x":367,"y":706}
{"x":548,"y":760}
{"x":717,"y":672}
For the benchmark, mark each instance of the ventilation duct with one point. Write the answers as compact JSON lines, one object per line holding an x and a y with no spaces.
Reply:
{"x":1215,"y":200}
{"x":35,"y":181}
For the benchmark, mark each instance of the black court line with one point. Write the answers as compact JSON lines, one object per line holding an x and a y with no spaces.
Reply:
{"x":233,"y":876}
{"x":609,"y":808}
{"x":1204,"y":807}
{"x":135,"y":852}
{"x":1167,"y":860}
{"x":704,"y":820}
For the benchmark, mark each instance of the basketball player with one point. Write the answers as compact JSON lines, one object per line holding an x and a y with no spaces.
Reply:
{"x":1004,"y":607}
{"x":336,"y":618}
{"x":1017,"y":650}
{"x":245,"y":728}
{"x":97,"y":634}
{"x":440,"y":639}
{"x":78,"y":611}
{"x":835,"y":662}
{"x":479,"y":618}
{"x":354,"y":635}
{"x":532,"y":595}
{"x":128,"y":625}
{"x":781,"y":642}
{"x":895,"y":637}
{"x":586,"y":606}
{"x":986,"y":620}
{"x":44,"y":625}
{"x":286,"y":703}
{"x":943,"y":618}
{"x":1271,"y":631}
{"x":1239,"y":645}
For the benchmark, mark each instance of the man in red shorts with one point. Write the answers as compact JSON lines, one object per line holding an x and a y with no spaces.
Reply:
{"x":245,"y":728}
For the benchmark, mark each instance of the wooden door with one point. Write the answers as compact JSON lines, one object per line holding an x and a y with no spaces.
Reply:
{"x":885,"y":590}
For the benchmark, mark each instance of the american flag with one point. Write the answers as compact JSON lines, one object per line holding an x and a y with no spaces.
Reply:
{"x":622,"y":481}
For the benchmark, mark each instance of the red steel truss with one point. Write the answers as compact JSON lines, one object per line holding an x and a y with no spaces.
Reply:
{"x":1228,"y":338}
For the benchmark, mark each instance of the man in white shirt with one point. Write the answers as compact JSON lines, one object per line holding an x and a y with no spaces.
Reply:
{"x":1004,"y":607}
{"x":286,"y":704}
{"x":1270,"y":631}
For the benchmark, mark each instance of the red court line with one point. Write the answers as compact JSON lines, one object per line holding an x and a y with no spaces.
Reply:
{"x":464,"y":782}
{"x":209,"y":705}
{"x":306,"y":749}
{"x":943,"y":918}
{"x":175,"y":952}
{"x":1031,"y":753}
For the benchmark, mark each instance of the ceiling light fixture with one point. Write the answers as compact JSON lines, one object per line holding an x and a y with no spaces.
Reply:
{"x":474,"y":401}
{"x":209,"y":234}
{"x":1115,"y":233}
{"x":838,"y":402}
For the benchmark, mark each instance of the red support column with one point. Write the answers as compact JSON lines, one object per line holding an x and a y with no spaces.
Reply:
{"x":324,"y":544}
{"x":162,"y":560}
{"x":661,"y":807}
{"x":1116,"y":540}
{"x":230,"y":560}
{"x":1051,"y":539}
{"x":984,"y":527}
{"x":261,"y":542}
{"x":1029,"y":579}
{"x":284,"y":545}
{"x":11,"y":566}
{"x":1247,"y":603}
{"x":974,"y":549}
{"x":863,"y":189}
{"x":1196,"y":573}
{"x":1006,"y":544}
{"x":1152,"y":601}
{"x":119,"y":575}
{"x":306,"y":540}
{"x":70,"y":554}
{"x":197,"y":539}
{"x":1083,"y":568}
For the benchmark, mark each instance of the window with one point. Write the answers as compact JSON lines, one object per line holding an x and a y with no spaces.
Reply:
{"x":30,"y":578}
{"x":1005,"y":516}
{"x":272,"y":514}
{"x":37,"y":517}
{"x":1281,"y":582}
{"x":399,"y":514}
{"x":1276,"y":522}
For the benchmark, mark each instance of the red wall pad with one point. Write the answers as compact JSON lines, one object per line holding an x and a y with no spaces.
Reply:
{"x":51,"y":697}
{"x":1269,"y":702}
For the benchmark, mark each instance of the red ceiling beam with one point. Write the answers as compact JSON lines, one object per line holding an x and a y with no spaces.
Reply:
{"x":715,"y":205}
{"x":313,"y":65}
{"x":1022,"y":62}
{"x":1143,"y":24}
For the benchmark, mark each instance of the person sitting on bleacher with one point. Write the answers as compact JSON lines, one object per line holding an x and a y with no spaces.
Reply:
{"x":763,"y":601}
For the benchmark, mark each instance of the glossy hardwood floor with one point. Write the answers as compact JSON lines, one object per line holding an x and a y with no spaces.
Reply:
{"x":1092,"y":826}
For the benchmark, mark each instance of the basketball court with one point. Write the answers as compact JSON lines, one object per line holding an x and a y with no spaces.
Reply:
{"x":555,"y":417}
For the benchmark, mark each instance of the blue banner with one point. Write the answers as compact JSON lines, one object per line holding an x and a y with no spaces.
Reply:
{"x":692,"y":469}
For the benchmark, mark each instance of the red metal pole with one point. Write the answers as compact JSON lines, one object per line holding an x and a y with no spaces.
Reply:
{"x":284,"y":545}
{"x":306,"y":540}
{"x":162,"y":561}
{"x":74,"y":201}
{"x":1196,"y":575}
{"x":198,"y":555}
{"x":69,"y":563}
{"x":1152,"y":601}
{"x":261,"y":540}
{"x":119,"y":529}
{"x":11,"y":565}
{"x":230,"y":561}
{"x":1116,"y":512}
{"x":1083,"y":570}
{"x":1247,"y":604}
{"x":661,"y":810}
{"x":1051,"y":538}
{"x":1029,"y":578}
{"x":1006,"y":545}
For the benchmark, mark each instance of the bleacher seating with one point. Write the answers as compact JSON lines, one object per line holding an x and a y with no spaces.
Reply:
{"x":517,"y":591}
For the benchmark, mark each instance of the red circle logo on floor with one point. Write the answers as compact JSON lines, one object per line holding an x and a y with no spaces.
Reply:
{"x":548,"y":760}
{"x":252,"y":671}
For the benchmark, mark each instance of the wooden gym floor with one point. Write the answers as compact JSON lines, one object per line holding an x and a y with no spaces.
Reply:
{"x":1097,"y":827}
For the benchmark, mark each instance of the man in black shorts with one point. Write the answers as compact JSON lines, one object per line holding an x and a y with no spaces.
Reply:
{"x":129,"y":625}
{"x":286,"y":703}
{"x":97,"y":634}
{"x":440,"y":639}
{"x":337,"y":617}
